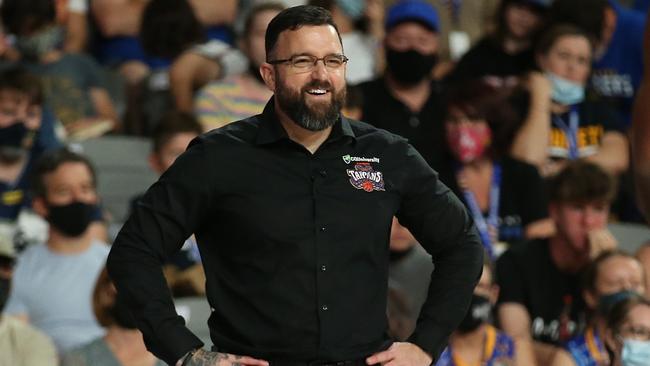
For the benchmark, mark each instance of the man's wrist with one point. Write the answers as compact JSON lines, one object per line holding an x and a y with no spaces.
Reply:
{"x":183,"y":360}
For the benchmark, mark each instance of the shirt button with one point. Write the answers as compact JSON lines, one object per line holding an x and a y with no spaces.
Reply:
{"x":323,"y":228}
{"x":324,"y":307}
{"x":323,"y":173}
{"x":323,"y":268}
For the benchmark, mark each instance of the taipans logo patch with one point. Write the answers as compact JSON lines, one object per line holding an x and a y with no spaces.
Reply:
{"x":363,"y":176}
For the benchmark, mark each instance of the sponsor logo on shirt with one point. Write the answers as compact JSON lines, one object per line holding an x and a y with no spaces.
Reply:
{"x":363,"y":176}
{"x":349,"y":159}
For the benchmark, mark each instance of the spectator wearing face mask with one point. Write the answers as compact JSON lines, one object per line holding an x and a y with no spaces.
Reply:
{"x":628,"y":332}
{"x":73,"y":83}
{"x":405,"y":100}
{"x":618,"y":47}
{"x":505,"y":196}
{"x":122,"y":345}
{"x":612,"y":277}
{"x":20,"y":122}
{"x":20,"y":343}
{"x":53,"y":282}
{"x":476,"y":341}
{"x":569,"y":126}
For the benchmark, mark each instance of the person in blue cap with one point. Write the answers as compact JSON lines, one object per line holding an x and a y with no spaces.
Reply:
{"x":406,"y":100}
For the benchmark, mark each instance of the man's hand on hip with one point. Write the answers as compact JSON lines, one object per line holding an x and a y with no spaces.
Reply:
{"x":401,"y":354}
{"x":206,"y":358}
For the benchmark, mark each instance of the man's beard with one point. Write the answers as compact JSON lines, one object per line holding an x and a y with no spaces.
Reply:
{"x":317,"y":117}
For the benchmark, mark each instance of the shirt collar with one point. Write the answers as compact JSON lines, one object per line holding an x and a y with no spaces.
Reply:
{"x":271,"y":129}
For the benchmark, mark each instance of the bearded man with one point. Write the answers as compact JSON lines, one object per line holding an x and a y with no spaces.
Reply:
{"x":292,"y":211}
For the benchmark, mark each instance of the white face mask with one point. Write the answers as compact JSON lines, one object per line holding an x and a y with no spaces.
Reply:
{"x":635,"y":353}
{"x":565,"y":91}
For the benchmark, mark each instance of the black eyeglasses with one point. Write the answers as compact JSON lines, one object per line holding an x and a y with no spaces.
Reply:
{"x":308,"y":62}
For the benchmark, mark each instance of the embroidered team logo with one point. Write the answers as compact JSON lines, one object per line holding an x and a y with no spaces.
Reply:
{"x":363,"y":176}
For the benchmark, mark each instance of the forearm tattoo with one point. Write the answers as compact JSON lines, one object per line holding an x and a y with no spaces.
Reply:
{"x":207,"y":358}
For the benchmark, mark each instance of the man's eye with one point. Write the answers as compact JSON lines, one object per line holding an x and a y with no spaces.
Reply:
{"x":302,"y":62}
{"x":333,"y":62}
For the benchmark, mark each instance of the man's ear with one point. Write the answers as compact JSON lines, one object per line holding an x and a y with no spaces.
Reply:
{"x":268,"y":74}
{"x":39,"y":206}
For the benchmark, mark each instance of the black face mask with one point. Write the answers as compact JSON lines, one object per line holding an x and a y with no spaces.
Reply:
{"x":121,"y":314}
{"x":409,"y":67}
{"x":478,"y":313}
{"x":13,"y":135}
{"x":11,"y":142}
{"x":5,"y":283}
{"x":72,"y":219}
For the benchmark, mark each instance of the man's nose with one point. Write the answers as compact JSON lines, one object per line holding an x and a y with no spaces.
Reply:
{"x":319,"y":71}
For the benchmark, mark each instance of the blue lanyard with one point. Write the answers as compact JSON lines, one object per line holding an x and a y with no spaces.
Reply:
{"x":482,"y":224}
{"x":570,"y":131}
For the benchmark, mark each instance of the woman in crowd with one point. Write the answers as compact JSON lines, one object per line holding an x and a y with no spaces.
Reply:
{"x":613,"y":276}
{"x":505,"y":196}
{"x":562,"y":124}
{"x":628,"y":332}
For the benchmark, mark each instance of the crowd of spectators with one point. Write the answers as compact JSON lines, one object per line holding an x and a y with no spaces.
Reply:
{"x":523,"y":107}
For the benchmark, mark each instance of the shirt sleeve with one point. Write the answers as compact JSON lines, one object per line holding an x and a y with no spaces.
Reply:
{"x":16,"y":304}
{"x":509,"y":279}
{"x":439,"y":221}
{"x":169,"y":212}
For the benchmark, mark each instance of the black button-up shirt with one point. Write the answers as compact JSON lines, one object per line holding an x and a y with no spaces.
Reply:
{"x":294,"y":244}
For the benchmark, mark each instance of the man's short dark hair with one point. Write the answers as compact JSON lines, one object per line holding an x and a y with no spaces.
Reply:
{"x":21,"y":17}
{"x":588,"y":15}
{"x":50,"y":162}
{"x":582,"y":182}
{"x":294,"y":18}
{"x":17,"y":79}
{"x":171,"y":124}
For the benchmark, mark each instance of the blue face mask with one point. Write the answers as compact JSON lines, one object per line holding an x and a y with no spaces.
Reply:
{"x":635,"y":353}
{"x":566,"y":92}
